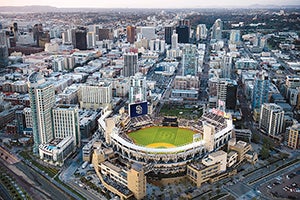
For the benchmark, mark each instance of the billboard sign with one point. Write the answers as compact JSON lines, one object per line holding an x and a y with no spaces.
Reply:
{"x":138,"y":109}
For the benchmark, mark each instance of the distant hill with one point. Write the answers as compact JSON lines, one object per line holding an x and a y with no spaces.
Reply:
{"x":28,"y":9}
{"x":273,"y":6}
{"x":36,"y":8}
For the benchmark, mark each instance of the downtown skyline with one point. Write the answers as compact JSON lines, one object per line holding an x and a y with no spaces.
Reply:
{"x":147,"y":4}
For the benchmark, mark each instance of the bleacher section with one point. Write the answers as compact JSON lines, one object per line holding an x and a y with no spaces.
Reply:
{"x":170,"y":121}
{"x":141,"y":121}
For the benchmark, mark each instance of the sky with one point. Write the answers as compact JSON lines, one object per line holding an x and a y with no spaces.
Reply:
{"x":145,"y":4}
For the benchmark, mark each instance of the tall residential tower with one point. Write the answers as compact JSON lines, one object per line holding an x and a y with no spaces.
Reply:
{"x":42,"y":100}
{"x":261,"y":89}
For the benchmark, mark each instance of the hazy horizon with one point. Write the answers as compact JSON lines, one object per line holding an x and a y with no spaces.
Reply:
{"x":143,"y":4}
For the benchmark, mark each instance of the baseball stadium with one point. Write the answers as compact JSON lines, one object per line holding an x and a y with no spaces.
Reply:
{"x":136,"y":147}
{"x":167,"y":146}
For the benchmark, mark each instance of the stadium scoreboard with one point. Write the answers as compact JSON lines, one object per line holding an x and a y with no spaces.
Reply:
{"x":138,"y":109}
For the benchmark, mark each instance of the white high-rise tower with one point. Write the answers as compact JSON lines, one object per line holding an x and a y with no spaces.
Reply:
{"x":42,"y":99}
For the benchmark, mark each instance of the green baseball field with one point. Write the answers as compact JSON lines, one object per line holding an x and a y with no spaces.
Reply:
{"x":162,"y":137}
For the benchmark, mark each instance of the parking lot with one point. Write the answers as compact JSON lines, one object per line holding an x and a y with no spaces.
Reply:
{"x":284,"y":186}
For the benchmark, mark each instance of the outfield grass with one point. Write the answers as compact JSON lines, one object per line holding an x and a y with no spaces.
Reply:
{"x":172,"y":135}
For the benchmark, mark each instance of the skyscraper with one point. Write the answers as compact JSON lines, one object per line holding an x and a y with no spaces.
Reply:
{"x":72,"y":36}
{"x":66,"y":38}
{"x":184,"y":22}
{"x":183,"y":32}
{"x":226,"y":93}
{"x":130,"y":64}
{"x":95,"y":95}
{"x":168,"y":34}
{"x":65,"y":122}
{"x":130,"y":30}
{"x":15,"y":30}
{"x":20,"y":118}
{"x":235,"y":37}
{"x":3,"y":55}
{"x":217,"y":30}
{"x":138,"y":89}
{"x":174,"y":40}
{"x":105,"y":34}
{"x":42,"y":99}
{"x":201,"y":32}
{"x":260,"y":90}
{"x":190,"y":60}
{"x":91,"y":39}
{"x":226,"y":66}
{"x":80,"y":37}
{"x":148,"y":32}
{"x":271,"y":119}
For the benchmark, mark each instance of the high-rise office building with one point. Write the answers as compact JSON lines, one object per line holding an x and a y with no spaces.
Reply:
{"x":174,"y":40}
{"x":80,"y":37}
{"x":235,"y":37}
{"x":42,"y":99}
{"x":148,"y":32}
{"x":226,"y":93}
{"x":226,"y":66}
{"x":3,"y":56}
{"x":105,"y":34}
{"x":130,"y":30}
{"x":201,"y":32}
{"x":91,"y":39}
{"x":217,"y":30}
{"x":69,"y":62}
{"x":39,"y":35}
{"x":168,"y":34}
{"x":183,"y":32}
{"x":4,"y":44}
{"x":190,"y":60}
{"x":138,"y":89}
{"x":294,"y":137}
{"x":271,"y":119}
{"x":157,"y":45}
{"x":66,"y":122}
{"x":72,"y":36}
{"x":65,"y":37}
{"x":15,"y":30}
{"x":95,"y":96}
{"x":130,"y":64}
{"x":4,"y":38}
{"x":96,"y":30}
{"x":260,"y":90}
{"x":184,"y":22}
{"x":20,"y":118}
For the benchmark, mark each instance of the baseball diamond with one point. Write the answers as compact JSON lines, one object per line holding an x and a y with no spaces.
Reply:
{"x":162,"y":137}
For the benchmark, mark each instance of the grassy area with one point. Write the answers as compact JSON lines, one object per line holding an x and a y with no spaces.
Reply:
{"x":9,"y":183}
{"x":49,"y":170}
{"x":181,"y":111}
{"x":171,"y":135}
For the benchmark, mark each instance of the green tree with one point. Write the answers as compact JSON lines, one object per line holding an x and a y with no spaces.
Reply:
{"x":255,"y":138}
{"x":264,"y":152}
